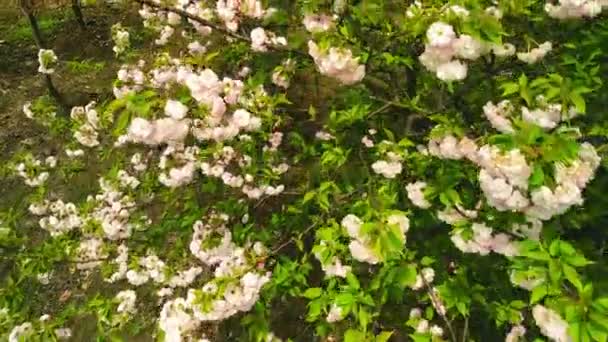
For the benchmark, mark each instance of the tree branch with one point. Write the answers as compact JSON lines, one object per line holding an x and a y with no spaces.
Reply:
{"x":214,"y":26}
{"x":436,"y":303}
{"x":194,"y":18}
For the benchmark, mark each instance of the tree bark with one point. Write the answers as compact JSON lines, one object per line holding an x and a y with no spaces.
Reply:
{"x":54,"y":92}
{"x":78,"y":13}
{"x":25,"y":7}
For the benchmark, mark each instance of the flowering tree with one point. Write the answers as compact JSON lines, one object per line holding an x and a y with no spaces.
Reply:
{"x":384,"y":170}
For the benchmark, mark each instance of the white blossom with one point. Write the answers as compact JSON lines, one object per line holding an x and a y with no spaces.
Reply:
{"x":536,"y":54}
{"x":551,"y":324}
{"x":337,"y":63}
{"x":47,"y":61}
{"x":440,"y":34}
{"x":318,"y":22}
{"x":452,"y":71}
{"x":175,"y":109}
{"x":126,"y":300}
{"x":388,"y":169}
{"x":335,"y":314}
{"x":515,"y":334}
{"x":415,"y":192}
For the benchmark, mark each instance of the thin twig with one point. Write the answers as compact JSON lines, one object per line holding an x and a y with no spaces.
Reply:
{"x":437,"y":303}
{"x":380,"y":110}
{"x":291,"y":240}
{"x":465,"y":333}
{"x":195,"y":18}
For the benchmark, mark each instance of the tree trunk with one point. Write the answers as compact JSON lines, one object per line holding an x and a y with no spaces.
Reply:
{"x":78,"y":13}
{"x":27,"y":11}
{"x":54,"y":92}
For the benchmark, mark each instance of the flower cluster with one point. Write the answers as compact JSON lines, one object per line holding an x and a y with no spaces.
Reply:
{"x":566,"y":9}
{"x":445,"y":51}
{"x":126,"y":301}
{"x":131,"y":79}
{"x":33,"y":171}
{"x":426,"y":276}
{"x":361,"y":244}
{"x":177,"y":163}
{"x":449,"y":147}
{"x":47,"y":61}
{"x":335,"y":314}
{"x":570,"y":182}
{"x":90,"y":253}
{"x":360,"y":247}
{"x":165,"y":33}
{"x":21,"y":332}
{"x":60,"y":217}
{"x":442,"y":48}
{"x":219,"y":167}
{"x":515,"y":334}
{"x":499,"y":114}
{"x":120,"y":37}
{"x":536,"y":54}
{"x":231,"y":12}
{"x":159,"y":131}
{"x":262,"y":40}
{"x":337,"y":63}
{"x":550,"y":324}
{"x":212,"y":244}
{"x":315,"y":23}
{"x":44,"y":117}
{"x":483,"y":242}
{"x":389,"y":168}
{"x":282,"y":74}
{"x":88,"y":123}
{"x":422,"y":325}
{"x":415,"y":192}
{"x":150,"y":267}
{"x":504,"y":177}
{"x":112,"y":208}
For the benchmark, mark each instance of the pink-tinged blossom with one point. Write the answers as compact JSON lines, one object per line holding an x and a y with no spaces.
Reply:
{"x":318,"y":22}
{"x":337,"y":63}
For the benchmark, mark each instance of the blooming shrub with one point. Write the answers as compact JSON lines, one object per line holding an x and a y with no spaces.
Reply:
{"x":365,"y":171}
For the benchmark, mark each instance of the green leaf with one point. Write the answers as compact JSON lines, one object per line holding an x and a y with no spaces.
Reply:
{"x":566,"y":248}
{"x":538,"y":293}
{"x":600,"y":320}
{"x":352,"y":280}
{"x":312,"y":111}
{"x":345,"y":299}
{"x":384,"y":336}
{"x":427,"y":261}
{"x":574,"y":330}
{"x":578,"y":102}
{"x":522,"y":81}
{"x":587,"y":293}
{"x":573,"y":277}
{"x":509,"y":88}
{"x":601,"y":303}
{"x":537,"y":178}
{"x":314,"y":310}
{"x":554,"y":247}
{"x":364,"y":317}
{"x":597,"y":333}
{"x":308,"y":196}
{"x":555,"y":271}
{"x":121,"y":124}
{"x":312,"y":292}
{"x":406,"y":275}
{"x":352,"y":335}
